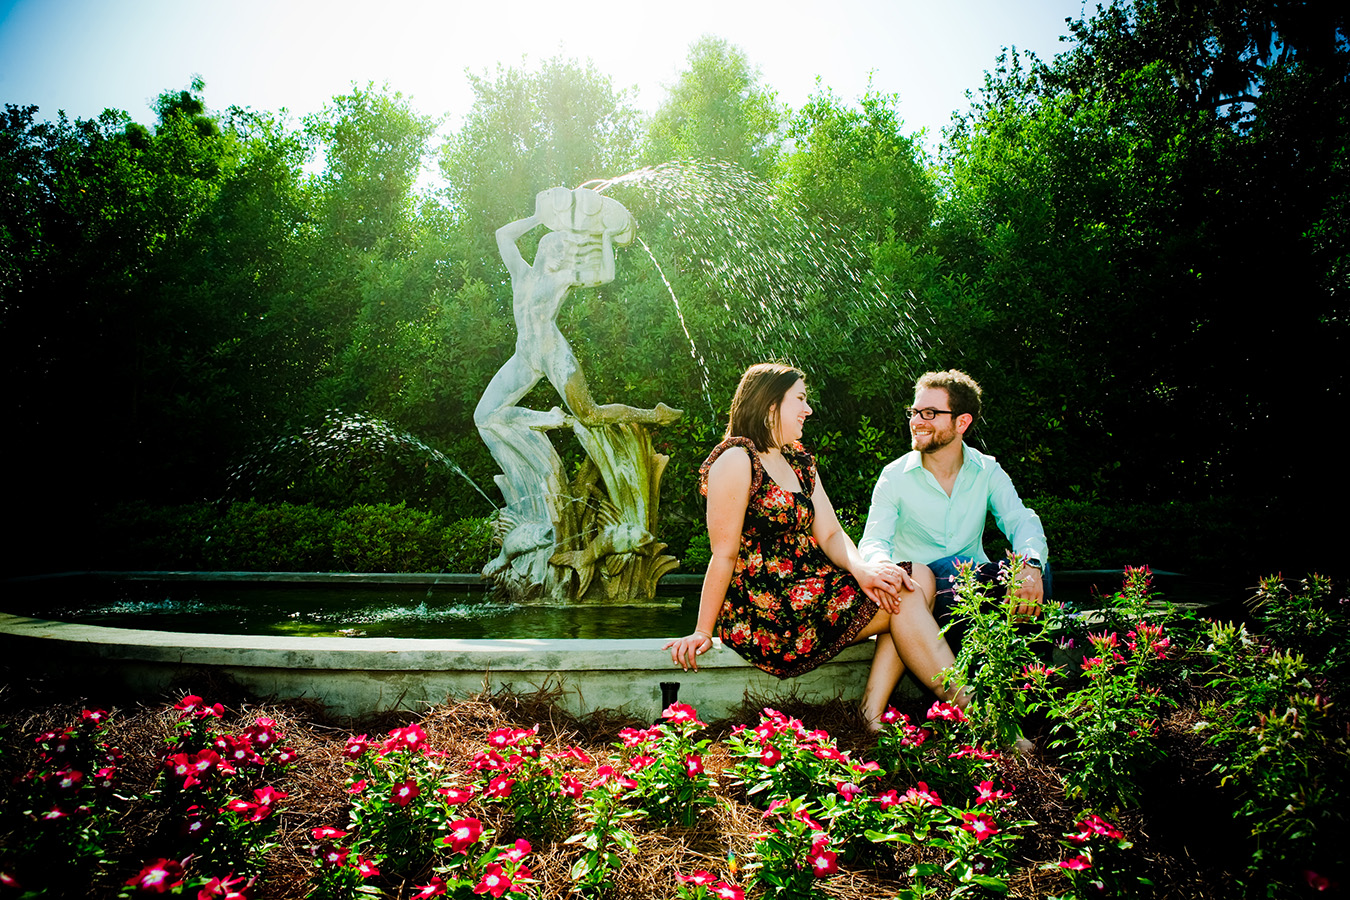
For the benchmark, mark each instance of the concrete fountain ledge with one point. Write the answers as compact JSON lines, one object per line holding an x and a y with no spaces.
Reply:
{"x":358,"y":676}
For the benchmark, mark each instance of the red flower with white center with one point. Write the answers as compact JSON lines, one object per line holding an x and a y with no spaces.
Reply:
{"x":268,"y":795}
{"x":327,"y":833}
{"x":679,"y":713}
{"x":356,"y":747}
{"x":726,"y":891}
{"x":985,"y":793}
{"x":490,"y":759}
{"x":435,"y":889}
{"x":455,"y":796}
{"x":519,"y":851}
{"x":366,"y":868}
{"x":802,"y":816}
{"x":693,"y":765}
{"x":205,"y":761}
{"x":56,"y":812}
{"x":188,"y":703}
{"x":500,"y":787}
{"x":888,"y":799}
{"x":334,"y":857}
{"x":636,"y":737}
{"x":823,"y":861}
{"x":159,"y":877}
{"x":287,"y":755}
{"x":980,"y":825}
{"x":638,"y":763}
{"x":95,"y":717}
{"x":105,"y":778}
{"x":410,"y":738}
{"x":9,"y":881}
{"x":1097,"y":825}
{"x":893,"y":715}
{"x":602,"y":775}
{"x":405,"y":792}
{"x":263,"y":733}
{"x":1076,"y":864}
{"x":571,"y":787}
{"x":847,"y":790}
{"x":357,"y":787}
{"x":69,"y":780}
{"x":829,"y":753}
{"x":770,"y":756}
{"x":921,"y":794}
{"x":463,"y":834}
{"x":965,"y":751}
{"x":948,"y":712}
{"x":231,"y":887}
{"x":495,"y":881}
{"x":699,"y":878}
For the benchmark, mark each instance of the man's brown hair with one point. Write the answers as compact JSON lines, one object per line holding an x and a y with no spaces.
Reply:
{"x":963,"y":393}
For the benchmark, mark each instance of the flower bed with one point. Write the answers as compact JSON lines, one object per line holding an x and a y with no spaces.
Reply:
{"x":508,"y":797}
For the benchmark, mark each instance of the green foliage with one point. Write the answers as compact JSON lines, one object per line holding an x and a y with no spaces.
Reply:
{"x":717,"y":110}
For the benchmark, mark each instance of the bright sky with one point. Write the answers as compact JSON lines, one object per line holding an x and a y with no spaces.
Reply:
{"x":82,"y":56}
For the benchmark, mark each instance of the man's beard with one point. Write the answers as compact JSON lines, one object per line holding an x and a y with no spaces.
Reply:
{"x":936,"y":440}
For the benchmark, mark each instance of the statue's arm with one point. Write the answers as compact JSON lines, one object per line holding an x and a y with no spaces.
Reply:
{"x":507,"y":236}
{"x":607,"y":257}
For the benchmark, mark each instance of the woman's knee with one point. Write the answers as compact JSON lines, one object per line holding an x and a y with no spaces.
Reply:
{"x":926,"y":582}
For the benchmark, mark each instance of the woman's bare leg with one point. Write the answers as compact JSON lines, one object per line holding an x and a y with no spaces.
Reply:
{"x":887,"y":668}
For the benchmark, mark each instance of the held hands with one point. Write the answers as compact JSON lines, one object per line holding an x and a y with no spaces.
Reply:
{"x":685,"y":651}
{"x":884,"y":582}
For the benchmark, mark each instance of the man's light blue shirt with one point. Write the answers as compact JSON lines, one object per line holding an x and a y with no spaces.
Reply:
{"x":912,"y":518}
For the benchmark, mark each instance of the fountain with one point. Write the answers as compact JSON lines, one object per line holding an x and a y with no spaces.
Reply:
{"x":590,"y":539}
{"x":593,"y":538}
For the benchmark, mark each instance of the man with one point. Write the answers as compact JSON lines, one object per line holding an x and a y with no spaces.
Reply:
{"x":929,"y":505}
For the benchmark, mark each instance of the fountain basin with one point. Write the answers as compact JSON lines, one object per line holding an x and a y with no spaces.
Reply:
{"x":369,"y":675}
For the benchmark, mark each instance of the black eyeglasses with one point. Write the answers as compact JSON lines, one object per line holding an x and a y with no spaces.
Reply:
{"x":928,"y":414}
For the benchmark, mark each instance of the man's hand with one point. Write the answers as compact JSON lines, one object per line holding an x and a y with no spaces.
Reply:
{"x":1031,"y":592}
{"x":884,"y":582}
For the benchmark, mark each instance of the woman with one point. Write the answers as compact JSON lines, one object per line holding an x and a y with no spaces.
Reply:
{"x":787,"y":583}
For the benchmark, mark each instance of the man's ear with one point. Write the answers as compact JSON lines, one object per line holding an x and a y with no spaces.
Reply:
{"x":964,"y":421}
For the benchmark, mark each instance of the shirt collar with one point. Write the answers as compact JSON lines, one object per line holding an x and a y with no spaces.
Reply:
{"x":914,"y":459}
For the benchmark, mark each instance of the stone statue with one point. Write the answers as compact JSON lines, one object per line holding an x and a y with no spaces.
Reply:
{"x":557,"y":537}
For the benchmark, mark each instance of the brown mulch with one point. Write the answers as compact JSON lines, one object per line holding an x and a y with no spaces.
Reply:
{"x":1179,"y":858}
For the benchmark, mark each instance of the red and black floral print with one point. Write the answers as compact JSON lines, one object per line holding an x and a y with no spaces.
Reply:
{"x":788,"y":608}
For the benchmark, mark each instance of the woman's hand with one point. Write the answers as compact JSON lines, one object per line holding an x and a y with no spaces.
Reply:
{"x":685,"y":651}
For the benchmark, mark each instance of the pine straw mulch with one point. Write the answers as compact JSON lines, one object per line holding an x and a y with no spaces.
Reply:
{"x":1179,"y":835}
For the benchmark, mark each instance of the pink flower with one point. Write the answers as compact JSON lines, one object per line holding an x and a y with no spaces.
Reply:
{"x":286,"y":755}
{"x":410,"y":738}
{"x":495,"y":881}
{"x":965,"y":751}
{"x":823,"y":861}
{"x":455,"y":796}
{"x":985,"y":793}
{"x":435,"y":889}
{"x":366,"y":868}
{"x":268,"y":796}
{"x":500,"y":787}
{"x":847,"y":791}
{"x":231,"y":887}
{"x":9,"y":881}
{"x":263,"y":733}
{"x":638,"y":763}
{"x":921,"y":794}
{"x":679,"y":713}
{"x":356,"y":747}
{"x":888,"y":799}
{"x":95,"y":717}
{"x":893,"y":715}
{"x":829,"y":753}
{"x":693,"y":765}
{"x":728,"y":891}
{"x":519,"y":851}
{"x":770,"y":756}
{"x":69,"y":780}
{"x":1076,"y":864}
{"x":159,"y":877}
{"x":357,"y":787}
{"x":1317,"y":882}
{"x":571,"y":787}
{"x":699,"y":878}
{"x":979,"y":824}
{"x":463,"y":834}
{"x":633,"y":737}
{"x":946,"y":711}
{"x":334,"y":857}
{"x":56,"y":812}
{"x":405,"y":792}
{"x":327,"y":833}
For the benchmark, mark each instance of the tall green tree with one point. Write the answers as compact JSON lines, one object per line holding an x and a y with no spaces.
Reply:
{"x":717,"y":110}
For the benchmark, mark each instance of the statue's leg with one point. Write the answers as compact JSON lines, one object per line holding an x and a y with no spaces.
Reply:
{"x":565,"y":373}
{"x":498,"y":403}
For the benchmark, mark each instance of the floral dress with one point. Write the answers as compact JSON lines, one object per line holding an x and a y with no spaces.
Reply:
{"x":788,"y":608}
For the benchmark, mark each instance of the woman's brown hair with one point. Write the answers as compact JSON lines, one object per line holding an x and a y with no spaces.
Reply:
{"x":758,"y":397}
